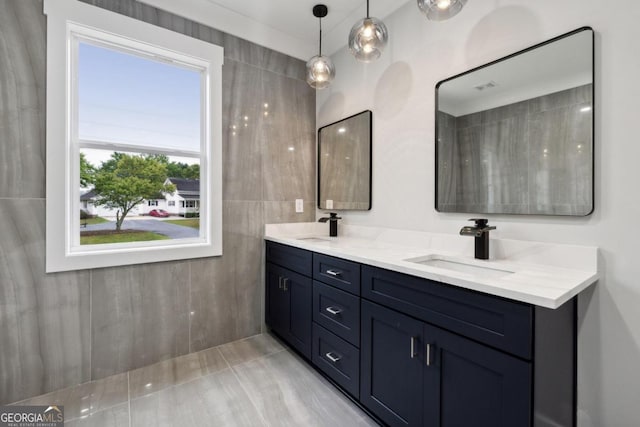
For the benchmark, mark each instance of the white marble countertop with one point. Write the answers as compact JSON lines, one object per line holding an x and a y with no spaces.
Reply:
{"x":543,"y":274}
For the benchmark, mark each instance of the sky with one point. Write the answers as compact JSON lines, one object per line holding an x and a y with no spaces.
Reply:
{"x":133,"y":99}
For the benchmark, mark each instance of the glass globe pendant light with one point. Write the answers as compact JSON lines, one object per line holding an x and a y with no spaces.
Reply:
{"x":368,"y":38}
{"x":440,"y":10}
{"x":320,"y":69}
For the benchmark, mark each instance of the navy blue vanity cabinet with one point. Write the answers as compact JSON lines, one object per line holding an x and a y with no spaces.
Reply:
{"x":415,"y":352}
{"x":277,"y":303}
{"x":291,"y":258}
{"x":338,"y":359}
{"x":470,"y":384}
{"x":391,"y":365}
{"x":289,"y":296}
{"x":337,"y":272}
{"x":416,"y":374}
{"x":486,"y":360}
{"x":497,"y":322}
{"x":337,"y":311}
{"x":336,"y":321}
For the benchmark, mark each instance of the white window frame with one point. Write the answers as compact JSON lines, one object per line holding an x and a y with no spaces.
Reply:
{"x":67,"y":21}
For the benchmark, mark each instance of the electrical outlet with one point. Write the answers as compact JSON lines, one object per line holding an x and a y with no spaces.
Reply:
{"x":299,"y":205}
{"x":329,"y":204}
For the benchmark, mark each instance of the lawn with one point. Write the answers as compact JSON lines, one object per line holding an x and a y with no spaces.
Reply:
{"x":91,"y":221}
{"x":191,"y":222}
{"x":126,"y":236}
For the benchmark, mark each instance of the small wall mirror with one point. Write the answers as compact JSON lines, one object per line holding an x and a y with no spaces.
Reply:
{"x":344,"y":164}
{"x":516,"y":136}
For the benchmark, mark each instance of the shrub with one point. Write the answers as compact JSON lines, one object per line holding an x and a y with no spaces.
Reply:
{"x":86,"y":215}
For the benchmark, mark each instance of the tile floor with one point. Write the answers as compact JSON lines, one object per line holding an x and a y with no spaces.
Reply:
{"x":251,"y":382}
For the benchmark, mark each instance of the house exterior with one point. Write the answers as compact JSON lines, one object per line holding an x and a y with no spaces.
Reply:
{"x":86,"y":204}
{"x":185,"y":201}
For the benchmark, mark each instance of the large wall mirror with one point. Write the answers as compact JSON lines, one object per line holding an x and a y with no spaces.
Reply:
{"x":516,"y":136}
{"x":344,"y":164}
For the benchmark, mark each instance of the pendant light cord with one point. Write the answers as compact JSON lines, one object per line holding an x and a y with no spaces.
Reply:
{"x":320,"y":42}
{"x":368,"y":9}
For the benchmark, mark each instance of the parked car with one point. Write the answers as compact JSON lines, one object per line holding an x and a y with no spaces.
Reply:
{"x":160,"y":213}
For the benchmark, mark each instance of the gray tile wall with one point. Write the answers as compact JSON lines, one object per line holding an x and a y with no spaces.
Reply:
{"x":448,"y":162}
{"x":530,"y":157}
{"x":62,"y":329}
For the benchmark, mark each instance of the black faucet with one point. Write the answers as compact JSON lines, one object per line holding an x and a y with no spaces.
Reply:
{"x":333,"y":223}
{"x":481,"y":233}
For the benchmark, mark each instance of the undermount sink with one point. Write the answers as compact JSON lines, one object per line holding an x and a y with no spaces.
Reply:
{"x":314,"y":239}
{"x":459,"y":266}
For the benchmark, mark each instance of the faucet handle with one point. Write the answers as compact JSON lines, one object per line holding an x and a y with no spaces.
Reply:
{"x":334,"y":215}
{"x":480,"y":222}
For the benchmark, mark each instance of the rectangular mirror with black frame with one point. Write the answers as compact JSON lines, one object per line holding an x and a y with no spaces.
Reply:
{"x":515,"y":136}
{"x":344,"y":163}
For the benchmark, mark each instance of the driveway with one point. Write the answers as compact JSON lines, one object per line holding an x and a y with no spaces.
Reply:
{"x":172,"y":231}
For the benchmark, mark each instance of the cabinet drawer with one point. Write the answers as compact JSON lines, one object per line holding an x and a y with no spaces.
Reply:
{"x":337,"y":311}
{"x":337,"y":358}
{"x":494,"y":321}
{"x":294,"y":259}
{"x":337,"y":272}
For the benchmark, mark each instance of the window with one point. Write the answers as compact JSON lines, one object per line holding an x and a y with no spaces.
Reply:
{"x":134,"y":116}
{"x":171,"y":203}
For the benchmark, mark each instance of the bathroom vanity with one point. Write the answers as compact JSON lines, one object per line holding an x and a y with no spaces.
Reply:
{"x":409,"y":325}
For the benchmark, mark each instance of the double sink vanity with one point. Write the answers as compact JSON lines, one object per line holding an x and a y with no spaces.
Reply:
{"x":424,"y":329}
{"x":418,"y":332}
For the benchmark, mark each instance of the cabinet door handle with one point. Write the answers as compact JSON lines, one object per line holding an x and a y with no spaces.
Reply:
{"x":334,"y":311}
{"x":284,"y":283}
{"x":280,"y":282}
{"x":428,"y":354}
{"x":334,"y":273}
{"x":333,"y":357}
{"x":413,"y":347}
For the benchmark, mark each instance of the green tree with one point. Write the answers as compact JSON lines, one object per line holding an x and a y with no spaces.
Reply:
{"x":125,"y":181}
{"x":183,"y":170}
{"x":111,"y":164}
{"x":87,"y":171}
{"x":162,"y":158}
{"x":177,"y":169}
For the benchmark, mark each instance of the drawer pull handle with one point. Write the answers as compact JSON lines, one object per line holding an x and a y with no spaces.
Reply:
{"x":428,"y":354}
{"x":334,"y":273}
{"x":334,"y":311}
{"x":333,"y":357}
{"x":280,"y":282}
{"x":413,"y":347}
{"x":284,"y":283}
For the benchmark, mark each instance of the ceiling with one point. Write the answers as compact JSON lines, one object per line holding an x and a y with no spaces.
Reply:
{"x":287,"y":26}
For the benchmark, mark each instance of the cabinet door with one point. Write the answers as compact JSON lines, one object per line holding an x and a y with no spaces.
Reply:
{"x":299,"y":293}
{"x":277,"y":307}
{"x":391,"y":373}
{"x":470,"y":384}
{"x":288,"y":310}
